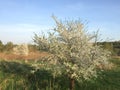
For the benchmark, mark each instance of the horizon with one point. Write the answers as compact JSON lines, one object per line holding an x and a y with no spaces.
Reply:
{"x":20,"y":19}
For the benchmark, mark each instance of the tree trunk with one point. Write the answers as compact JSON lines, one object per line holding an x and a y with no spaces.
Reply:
{"x":72,"y":84}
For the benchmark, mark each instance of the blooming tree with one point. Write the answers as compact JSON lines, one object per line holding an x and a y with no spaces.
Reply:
{"x":72,"y":51}
{"x":21,"y":49}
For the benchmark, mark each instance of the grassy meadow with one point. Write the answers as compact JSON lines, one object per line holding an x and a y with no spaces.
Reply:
{"x":17,"y":75}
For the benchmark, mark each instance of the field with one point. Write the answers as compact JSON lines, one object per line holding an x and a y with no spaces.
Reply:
{"x":31,"y":56}
{"x":16,"y":74}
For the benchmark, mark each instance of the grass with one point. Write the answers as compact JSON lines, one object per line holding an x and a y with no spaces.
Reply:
{"x":16,"y":75}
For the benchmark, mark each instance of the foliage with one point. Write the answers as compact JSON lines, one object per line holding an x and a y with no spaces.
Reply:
{"x":21,"y":49}
{"x":72,"y":51}
{"x":6,"y":47}
{"x":9,"y":46}
{"x":114,"y":47}
{"x":32,"y":48}
{"x":1,"y":46}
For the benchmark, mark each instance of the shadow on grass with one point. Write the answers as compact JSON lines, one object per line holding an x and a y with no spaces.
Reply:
{"x":21,"y":71}
{"x":18,"y":76}
{"x":15,"y":68}
{"x":15,"y":72}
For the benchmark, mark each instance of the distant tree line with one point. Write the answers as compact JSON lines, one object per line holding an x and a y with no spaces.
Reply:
{"x":8,"y":47}
{"x":114,"y":47}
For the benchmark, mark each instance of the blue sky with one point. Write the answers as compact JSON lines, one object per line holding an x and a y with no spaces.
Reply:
{"x":20,"y":18}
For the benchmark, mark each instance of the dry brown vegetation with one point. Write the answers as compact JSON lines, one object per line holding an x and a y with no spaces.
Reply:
{"x":30,"y":56}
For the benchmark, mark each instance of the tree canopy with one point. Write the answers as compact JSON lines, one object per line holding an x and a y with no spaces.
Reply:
{"x":72,"y":50}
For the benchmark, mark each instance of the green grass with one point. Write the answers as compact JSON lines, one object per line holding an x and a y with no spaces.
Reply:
{"x":16,"y":75}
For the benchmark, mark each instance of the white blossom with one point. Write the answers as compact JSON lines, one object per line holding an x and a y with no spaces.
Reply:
{"x":72,"y":50}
